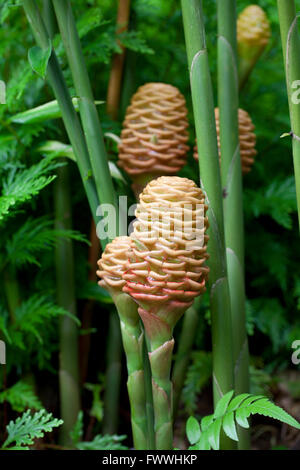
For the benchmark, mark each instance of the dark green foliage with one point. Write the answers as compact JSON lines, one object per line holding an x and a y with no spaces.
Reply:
{"x":20,"y":397}
{"x":28,"y":236}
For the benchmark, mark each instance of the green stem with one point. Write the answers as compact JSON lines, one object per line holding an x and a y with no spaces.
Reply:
{"x":88,"y":111}
{"x":291,"y":53}
{"x":185,"y":345}
{"x":64,"y":259}
{"x":133,"y":342}
{"x":68,"y":330}
{"x":247,"y":64}
{"x":49,"y":18}
{"x":160,"y":358}
{"x":203,"y":105}
{"x":62,"y":95}
{"x":233,"y":193}
{"x":149,"y":397}
{"x":112,"y":375}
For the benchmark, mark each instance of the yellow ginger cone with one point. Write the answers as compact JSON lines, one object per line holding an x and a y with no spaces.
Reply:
{"x":253,"y":27}
{"x":247,"y":139}
{"x":253,"y":34}
{"x":111,"y":270}
{"x":165,"y":272}
{"x":154,"y":135}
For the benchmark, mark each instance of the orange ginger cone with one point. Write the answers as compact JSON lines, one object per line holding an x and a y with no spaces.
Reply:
{"x":247,"y":140}
{"x":154,"y":136}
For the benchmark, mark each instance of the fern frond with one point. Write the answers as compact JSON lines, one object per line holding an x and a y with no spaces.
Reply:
{"x":133,"y":40}
{"x":35,"y":236}
{"x":32,"y":314}
{"x":21,"y":185}
{"x":228,"y":413}
{"x":278,"y":201}
{"x":20,"y":397}
{"x":106,"y":442}
{"x":28,"y":427}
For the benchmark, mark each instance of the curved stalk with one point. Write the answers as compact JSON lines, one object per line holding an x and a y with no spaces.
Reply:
{"x":288,"y":21}
{"x":65,"y":282}
{"x":62,"y":95}
{"x":88,"y":111}
{"x":233,"y":193}
{"x":203,"y":105}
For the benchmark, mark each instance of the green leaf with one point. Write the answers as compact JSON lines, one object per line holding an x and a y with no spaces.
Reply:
{"x":21,"y":396}
{"x":77,"y":432}
{"x":228,"y":413}
{"x":229,"y":426}
{"x":39,"y":58}
{"x":35,"y":236}
{"x":21,"y":185}
{"x":27,"y":427}
{"x":203,"y":443}
{"x":223,"y":404}
{"x":214,"y":434}
{"x":241,"y":418}
{"x":55,"y":148}
{"x":50,"y":110}
{"x":234,"y":404}
{"x":193,"y":431}
{"x":106,"y":442}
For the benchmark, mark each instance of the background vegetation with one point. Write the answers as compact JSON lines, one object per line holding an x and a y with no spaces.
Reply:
{"x":29,"y":313}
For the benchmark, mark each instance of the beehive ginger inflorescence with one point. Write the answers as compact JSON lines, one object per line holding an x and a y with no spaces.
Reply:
{"x":247,"y":139}
{"x":154,"y":136}
{"x":253,"y":27}
{"x":166,"y":268}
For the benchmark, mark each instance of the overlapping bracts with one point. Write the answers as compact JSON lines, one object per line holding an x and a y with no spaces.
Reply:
{"x":253,"y":27}
{"x":112,"y":263}
{"x":154,"y":135}
{"x":166,"y":267}
{"x":247,"y":139}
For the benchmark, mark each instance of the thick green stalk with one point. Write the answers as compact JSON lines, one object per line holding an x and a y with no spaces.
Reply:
{"x":133,"y":342}
{"x":233,"y":193}
{"x":288,"y":20}
{"x":203,"y":105}
{"x":160,"y":343}
{"x":88,"y":111}
{"x":185,"y":345}
{"x":62,"y":95}
{"x":49,"y":18}
{"x":112,"y":375}
{"x":160,"y":358}
{"x":149,"y":397}
{"x":65,"y":282}
{"x":68,"y":330}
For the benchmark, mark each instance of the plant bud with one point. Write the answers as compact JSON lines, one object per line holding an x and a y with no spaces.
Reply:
{"x":112,"y":264}
{"x":166,"y":268}
{"x":253,"y":27}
